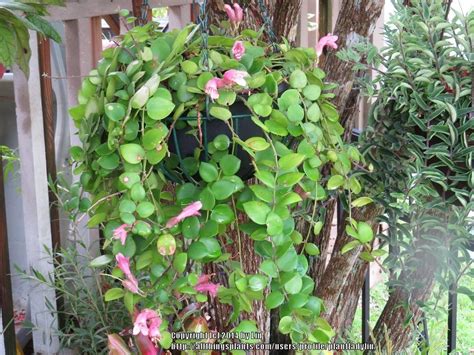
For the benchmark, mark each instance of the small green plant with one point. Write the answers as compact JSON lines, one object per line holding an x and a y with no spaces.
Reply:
{"x":87,"y":317}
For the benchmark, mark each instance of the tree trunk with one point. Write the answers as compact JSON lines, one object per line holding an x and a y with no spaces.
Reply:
{"x":394,"y":328}
{"x":331,"y":286}
{"x":356,"y":21}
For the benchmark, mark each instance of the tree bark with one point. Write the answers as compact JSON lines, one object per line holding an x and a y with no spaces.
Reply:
{"x":333,"y":282}
{"x":356,"y":21}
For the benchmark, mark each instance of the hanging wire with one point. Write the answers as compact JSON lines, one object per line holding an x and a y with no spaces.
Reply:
{"x":268,"y":24}
{"x":144,"y":9}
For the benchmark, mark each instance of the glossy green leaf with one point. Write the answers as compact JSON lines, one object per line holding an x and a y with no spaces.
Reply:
{"x":257,"y":211}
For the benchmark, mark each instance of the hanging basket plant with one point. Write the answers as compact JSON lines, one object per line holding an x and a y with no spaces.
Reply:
{"x":171,"y":125}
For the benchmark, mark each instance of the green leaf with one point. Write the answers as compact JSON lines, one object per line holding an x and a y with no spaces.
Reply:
{"x":289,"y":179}
{"x":221,"y":113}
{"x":291,"y":161}
{"x":295,"y":113}
{"x":145,"y":209}
{"x":230,"y":164}
{"x":312,"y":92}
{"x":362,"y":201}
{"x":257,"y":211}
{"x":137,"y":192}
{"x":284,"y":326}
{"x":298,"y":79}
{"x":132,"y":153}
{"x":314,"y":113}
{"x":288,"y":261}
{"x":159,"y":108}
{"x":97,"y":219}
{"x":189,"y":67}
{"x":365,"y":232}
{"x":7,"y":44}
{"x":45,"y":27}
{"x":208,"y":172}
{"x":222,"y":214}
{"x":144,"y":260}
{"x":222,"y":189}
{"x":153,"y":137}
{"x":311,"y":249}
{"x":257,"y":144}
{"x":140,"y":98}
{"x":262,"y":192}
{"x":101,"y":260}
{"x":207,"y":199}
{"x":190,"y":227}
{"x":335,"y":182}
{"x":113,"y":294}
{"x":294,"y":285}
{"x":257,"y":282}
{"x":274,"y":224}
{"x":269,"y":268}
{"x":274,"y":300}
{"x":180,"y":261}
{"x":115,"y":111}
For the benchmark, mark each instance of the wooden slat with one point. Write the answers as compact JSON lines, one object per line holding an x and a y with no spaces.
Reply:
{"x":92,"y":8}
{"x":47,"y":98}
{"x":6,"y":301}
{"x":34,"y":192}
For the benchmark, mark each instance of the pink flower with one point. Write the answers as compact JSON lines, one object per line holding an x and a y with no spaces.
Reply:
{"x":188,"y":211}
{"x":123,"y":264}
{"x":2,"y":70}
{"x":131,"y":284}
{"x":239,"y":13}
{"x":230,"y":13}
{"x":212,"y":87}
{"x":121,"y":233}
{"x":238,"y":50}
{"x":327,"y":41}
{"x":117,"y":345}
{"x":235,"y":77}
{"x":147,"y":323}
{"x":145,"y":345}
{"x":204,"y":286}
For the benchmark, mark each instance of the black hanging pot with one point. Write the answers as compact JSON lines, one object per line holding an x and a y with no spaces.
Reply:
{"x":243,"y":126}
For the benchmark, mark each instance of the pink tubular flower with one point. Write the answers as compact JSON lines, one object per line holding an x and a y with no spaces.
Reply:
{"x":238,"y":50}
{"x":145,"y":345}
{"x":121,"y":233}
{"x":188,"y":211}
{"x":123,"y":264}
{"x":130,"y":283}
{"x":327,"y":41}
{"x":212,"y":87}
{"x":230,"y":13}
{"x":203,"y":285}
{"x":235,"y":77}
{"x":239,"y":13}
{"x":147,"y":323}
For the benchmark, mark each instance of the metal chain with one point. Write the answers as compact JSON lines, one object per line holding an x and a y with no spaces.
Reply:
{"x":267,"y":22}
{"x":145,"y":7}
{"x":203,"y":22}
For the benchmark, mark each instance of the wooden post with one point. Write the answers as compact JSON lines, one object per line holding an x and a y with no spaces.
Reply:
{"x":34,"y":190}
{"x":6,"y":301}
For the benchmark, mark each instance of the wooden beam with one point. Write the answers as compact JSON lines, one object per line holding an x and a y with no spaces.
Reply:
{"x":34,"y":191}
{"x":92,"y":8}
{"x":6,"y":297}
{"x":114,"y":23}
{"x":179,"y":16}
{"x":47,"y":97}
{"x":138,"y":8}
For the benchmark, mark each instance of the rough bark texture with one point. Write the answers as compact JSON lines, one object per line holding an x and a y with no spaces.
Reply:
{"x":356,"y":20}
{"x":416,"y":285}
{"x":331,"y":286}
